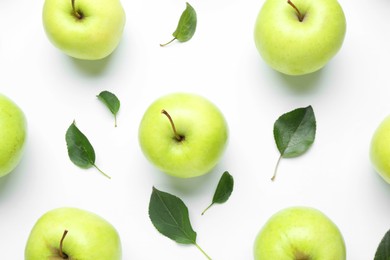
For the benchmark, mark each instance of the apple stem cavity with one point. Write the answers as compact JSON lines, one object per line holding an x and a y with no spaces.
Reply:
{"x":178,"y":137}
{"x":301,"y":256}
{"x":62,"y":254}
{"x":76,"y":13}
{"x":299,"y":14}
{"x":276,"y":168}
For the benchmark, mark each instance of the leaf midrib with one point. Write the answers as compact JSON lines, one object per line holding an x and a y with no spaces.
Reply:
{"x":294,"y":133}
{"x":180,"y":228}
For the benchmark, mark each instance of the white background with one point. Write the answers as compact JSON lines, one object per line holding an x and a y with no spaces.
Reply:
{"x":350,"y":97}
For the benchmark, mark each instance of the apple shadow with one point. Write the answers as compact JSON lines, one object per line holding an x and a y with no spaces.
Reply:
{"x":302,"y":83}
{"x":381,"y":183}
{"x":192,"y":185}
{"x":4,"y":182}
{"x":93,"y":67}
{"x":7,"y":181}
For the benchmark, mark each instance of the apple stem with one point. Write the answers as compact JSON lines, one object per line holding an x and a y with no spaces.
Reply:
{"x":276,"y":168}
{"x":76,"y":13}
{"x":178,"y":137}
{"x":203,"y":252}
{"x":300,"y":16}
{"x":165,"y":44}
{"x":62,"y":254}
{"x":97,"y":168}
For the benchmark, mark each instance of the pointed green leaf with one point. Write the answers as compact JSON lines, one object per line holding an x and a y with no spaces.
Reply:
{"x":224,"y":188}
{"x":223,"y":191}
{"x":169,"y":215}
{"x":383,"y":250}
{"x":80,"y":150}
{"x":186,"y":26}
{"x":111,"y":101}
{"x":294,"y":132}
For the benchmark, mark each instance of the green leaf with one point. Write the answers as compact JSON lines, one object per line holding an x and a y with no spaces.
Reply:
{"x":383,"y":250}
{"x":186,"y":26}
{"x":111,"y":101}
{"x":223,"y":191}
{"x":80,"y":150}
{"x":169,"y":215}
{"x":294,"y":133}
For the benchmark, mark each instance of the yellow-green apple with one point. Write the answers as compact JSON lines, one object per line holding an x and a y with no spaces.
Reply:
{"x":380,"y":149}
{"x":299,"y":233}
{"x":183,"y":134}
{"x":84,"y":29}
{"x":72,"y":233}
{"x":13,"y":135}
{"x":300,"y":36}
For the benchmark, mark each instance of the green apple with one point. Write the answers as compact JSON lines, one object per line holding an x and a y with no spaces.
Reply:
{"x":300,"y":36}
{"x":183,"y":134}
{"x":380,"y":149}
{"x":299,"y":233}
{"x":72,"y":233}
{"x":84,"y":29}
{"x":13,"y":135}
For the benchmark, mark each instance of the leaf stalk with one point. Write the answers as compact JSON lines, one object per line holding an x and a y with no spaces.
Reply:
{"x":203,"y":252}
{"x":165,"y":44}
{"x":97,"y":168}
{"x":276,"y":168}
{"x":204,"y":211}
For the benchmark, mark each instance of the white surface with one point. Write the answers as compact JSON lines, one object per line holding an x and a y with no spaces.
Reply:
{"x":350,"y":97}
